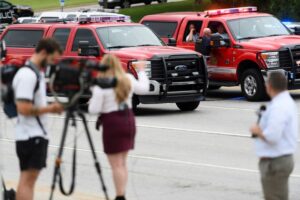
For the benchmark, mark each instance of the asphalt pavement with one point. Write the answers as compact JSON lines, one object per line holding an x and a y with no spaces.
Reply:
{"x":207,"y":154}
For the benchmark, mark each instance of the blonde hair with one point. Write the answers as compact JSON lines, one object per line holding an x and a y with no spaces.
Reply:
{"x":123,"y":87}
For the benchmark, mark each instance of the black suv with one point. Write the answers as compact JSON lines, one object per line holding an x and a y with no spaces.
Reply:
{"x":126,"y":3}
{"x":7,"y":10}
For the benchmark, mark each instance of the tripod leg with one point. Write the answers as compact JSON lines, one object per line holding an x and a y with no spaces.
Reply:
{"x":60,"y":152}
{"x":97,"y":164}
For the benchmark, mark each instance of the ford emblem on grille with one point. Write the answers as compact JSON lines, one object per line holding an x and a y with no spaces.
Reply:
{"x":181,"y":68}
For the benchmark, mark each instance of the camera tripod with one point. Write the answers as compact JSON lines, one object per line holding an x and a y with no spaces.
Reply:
{"x":70,"y":116}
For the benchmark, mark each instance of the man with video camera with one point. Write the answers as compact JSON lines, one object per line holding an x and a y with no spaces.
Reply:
{"x":276,"y":138}
{"x":31,"y":133}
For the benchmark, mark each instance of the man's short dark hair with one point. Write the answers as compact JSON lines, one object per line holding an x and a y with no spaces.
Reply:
{"x":49,"y":45}
{"x":278,"y":80}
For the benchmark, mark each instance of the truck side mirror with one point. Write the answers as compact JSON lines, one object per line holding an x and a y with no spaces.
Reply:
{"x":218,"y":41}
{"x":172,"y":42}
{"x":84,"y":49}
{"x":297,"y":30}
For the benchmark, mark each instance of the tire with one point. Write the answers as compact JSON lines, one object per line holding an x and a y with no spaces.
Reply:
{"x":147,"y":2}
{"x":252,"y":85}
{"x":188,"y":106}
{"x":162,"y":1}
{"x":214,"y":87}
{"x":135,"y":103}
{"x":125,"y":4}
{"x":110,"y":6}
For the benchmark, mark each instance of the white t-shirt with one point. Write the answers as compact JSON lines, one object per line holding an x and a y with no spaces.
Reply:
{"x":24,"y":84}
{"x":104,"y":100}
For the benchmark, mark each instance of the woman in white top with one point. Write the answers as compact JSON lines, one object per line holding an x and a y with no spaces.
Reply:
{"x":116,"y":116}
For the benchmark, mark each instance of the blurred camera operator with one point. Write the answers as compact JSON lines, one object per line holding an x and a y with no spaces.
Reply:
{"x":277,"y":135}
{"x":117,"y":118}
{"x":31,"y":132}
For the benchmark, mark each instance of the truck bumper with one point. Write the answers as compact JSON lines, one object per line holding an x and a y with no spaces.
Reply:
{"x":171,"y":99}
{"x":160,"y":94}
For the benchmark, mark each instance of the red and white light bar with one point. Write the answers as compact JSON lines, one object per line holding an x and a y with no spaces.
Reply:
{"x":99,"y":19}
{"x":231,"y":11}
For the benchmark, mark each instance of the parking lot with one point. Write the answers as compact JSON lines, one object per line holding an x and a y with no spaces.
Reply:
{"x":207,"y":154}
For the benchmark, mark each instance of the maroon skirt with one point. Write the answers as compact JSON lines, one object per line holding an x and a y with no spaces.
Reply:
{"x":119,"y":131}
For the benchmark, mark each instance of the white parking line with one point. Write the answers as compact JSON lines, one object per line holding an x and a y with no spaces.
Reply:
{"x":184,"y":130}
{"x":179,"y":162}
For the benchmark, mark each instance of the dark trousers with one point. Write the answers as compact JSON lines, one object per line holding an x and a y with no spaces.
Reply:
{"x":275,"y":176}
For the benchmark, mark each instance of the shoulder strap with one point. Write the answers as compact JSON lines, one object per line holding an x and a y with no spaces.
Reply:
{"x":37,"y":85}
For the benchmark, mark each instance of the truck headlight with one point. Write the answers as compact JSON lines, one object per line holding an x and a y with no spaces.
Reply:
{"x":147,"y":66}
{"x":270,"y":59}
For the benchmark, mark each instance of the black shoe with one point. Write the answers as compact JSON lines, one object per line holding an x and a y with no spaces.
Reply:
{"x":120,"y":198}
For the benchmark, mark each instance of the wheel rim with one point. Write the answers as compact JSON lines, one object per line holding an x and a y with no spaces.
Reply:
{"x":250,"y":86}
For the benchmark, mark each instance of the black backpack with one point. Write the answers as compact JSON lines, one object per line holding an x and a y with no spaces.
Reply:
{"x":9,"y":105}
{"x":8,"y":97}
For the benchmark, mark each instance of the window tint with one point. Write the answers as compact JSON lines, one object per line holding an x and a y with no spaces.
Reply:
{"x":84,"y":35}
{"x":197,"y":25}
{"x":23,"y":38}
{"x":162,"y":29}
{"x":214,"y":26}
{"x":61,"y":35}
{"x":72,"y":17}
{"x":49,"y":18}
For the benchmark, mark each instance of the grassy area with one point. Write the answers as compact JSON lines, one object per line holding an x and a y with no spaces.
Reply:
{"x":137,"y":13}
{"x":51,"y":4}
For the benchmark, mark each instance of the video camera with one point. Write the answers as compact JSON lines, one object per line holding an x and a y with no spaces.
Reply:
{"x":70,"y":78}
{"x":73,"y":78}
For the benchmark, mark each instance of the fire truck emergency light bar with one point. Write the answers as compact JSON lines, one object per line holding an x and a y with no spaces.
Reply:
{"x":98,"y":19}
{"x":231,"y":11}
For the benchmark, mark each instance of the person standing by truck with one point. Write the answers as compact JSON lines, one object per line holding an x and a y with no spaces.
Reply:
{"x":117,"y":118}
{"x":205,"y":47}
{"x":277,"y":135}
{"x":31,"y":130}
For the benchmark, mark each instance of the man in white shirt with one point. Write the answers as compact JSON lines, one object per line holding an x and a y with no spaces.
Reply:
{"x":193,"y":35}
{"x":31,"y":131}
{"x":277,"y":135}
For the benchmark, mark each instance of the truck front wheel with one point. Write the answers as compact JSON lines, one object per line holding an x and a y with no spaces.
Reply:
{"x":252,"y":84}
{"x":188,"y":106}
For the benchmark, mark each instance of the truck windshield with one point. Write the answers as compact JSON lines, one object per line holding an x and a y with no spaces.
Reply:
{"x":116,"y":37}
{"x":257,"y":27}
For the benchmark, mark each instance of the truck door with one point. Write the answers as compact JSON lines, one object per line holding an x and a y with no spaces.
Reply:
{"x":62,"y":36}
{"x":220,"y":62}
{"x":81,"y":34}
{"x":185,"y":30}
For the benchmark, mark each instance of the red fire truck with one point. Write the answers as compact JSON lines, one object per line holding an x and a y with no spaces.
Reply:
{"x":177,"y":75}
{"x":252,"y":44}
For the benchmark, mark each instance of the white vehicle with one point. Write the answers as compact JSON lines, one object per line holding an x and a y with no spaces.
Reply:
{"x":70,"y":16}
{"x":27,"y":20}
{"x":73,"y":16}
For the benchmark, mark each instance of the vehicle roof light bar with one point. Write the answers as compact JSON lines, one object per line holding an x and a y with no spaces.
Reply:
{"x":99,"y":19}
{"x":231,"y":11}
